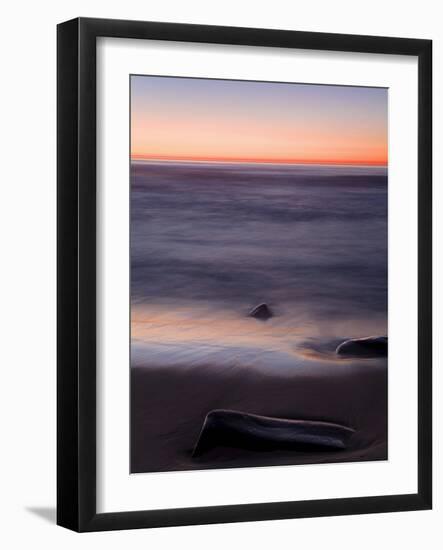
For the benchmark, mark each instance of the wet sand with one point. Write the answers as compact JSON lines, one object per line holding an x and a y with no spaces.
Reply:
{"x":169,"y":405}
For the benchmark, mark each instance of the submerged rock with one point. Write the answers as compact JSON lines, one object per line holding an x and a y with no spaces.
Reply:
{"x":223,"y":427}
{"x":261,"y":312}
{"x":372,"y":346}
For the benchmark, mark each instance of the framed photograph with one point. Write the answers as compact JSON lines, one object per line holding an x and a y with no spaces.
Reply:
{"x":244,"y":223}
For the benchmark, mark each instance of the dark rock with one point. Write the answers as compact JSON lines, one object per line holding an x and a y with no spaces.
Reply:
{"x":373,"y":346}
{"x":261,"y":312}
{"x":229,"y":428}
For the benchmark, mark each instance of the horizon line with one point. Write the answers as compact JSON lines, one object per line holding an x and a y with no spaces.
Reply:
{"x":214,"y":160}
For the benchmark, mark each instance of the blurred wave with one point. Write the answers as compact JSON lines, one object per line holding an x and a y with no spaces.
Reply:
{"x":309,"y":240}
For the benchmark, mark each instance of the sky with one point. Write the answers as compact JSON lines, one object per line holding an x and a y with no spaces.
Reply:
{"x":244,"y":121}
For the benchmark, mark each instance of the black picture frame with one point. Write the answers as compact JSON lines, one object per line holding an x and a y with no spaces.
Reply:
{"x":76,"y":265}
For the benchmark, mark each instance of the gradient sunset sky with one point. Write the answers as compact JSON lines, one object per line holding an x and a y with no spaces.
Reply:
{"x":233,"y":120}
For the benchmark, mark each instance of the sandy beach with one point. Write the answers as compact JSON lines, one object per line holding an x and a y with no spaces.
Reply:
{"x":169,"y":406}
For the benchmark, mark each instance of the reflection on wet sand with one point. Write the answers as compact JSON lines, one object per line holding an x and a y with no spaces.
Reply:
{"x":188,"y":333}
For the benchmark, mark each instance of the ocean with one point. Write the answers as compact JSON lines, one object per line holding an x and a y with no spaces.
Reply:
{"x":209,"y":242}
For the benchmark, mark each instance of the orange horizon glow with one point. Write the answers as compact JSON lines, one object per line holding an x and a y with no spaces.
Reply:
{"x":354,"y":162}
